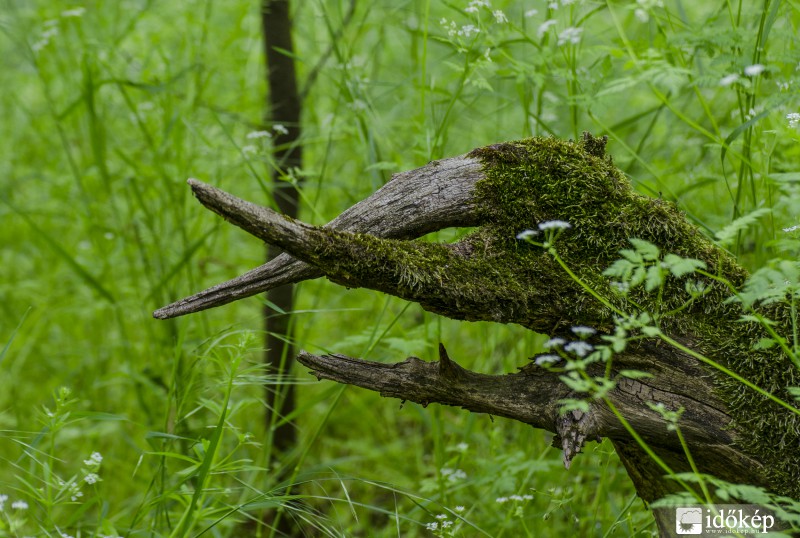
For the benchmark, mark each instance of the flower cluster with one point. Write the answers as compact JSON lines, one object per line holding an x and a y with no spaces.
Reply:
{"x":515,"y":498}
{"x":453,"y":475}
{"x":15,"y":505}
{"x":552,"y":227}
{"x":570,"y":35}
{"x":579,"y":348}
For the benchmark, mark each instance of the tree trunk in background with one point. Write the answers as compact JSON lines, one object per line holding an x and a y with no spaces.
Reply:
{"x":284,"y":108}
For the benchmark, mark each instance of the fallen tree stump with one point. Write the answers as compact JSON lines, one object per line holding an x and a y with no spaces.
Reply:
{"x":728,"y":400}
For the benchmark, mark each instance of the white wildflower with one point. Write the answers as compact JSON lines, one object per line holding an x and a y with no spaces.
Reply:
{"x":570,"y":35}
{"x":3,"y":499}
{"x":462,"y":447}
{"x":457,"y":475}
{"x":544,"y":27}
{"x":754,"y":70}
{"x":554,"y":342}
{"x":531,"y":13}
{"x":554,"y":225}
{"x":471,"y":9}
{"x":579,"y":348}
{"x":91,"y":478}
{"x":642,"y":15}
{"x":516,"y":497}
{"x":727,"y":80}
{"x":19,"y":505}
{"x":249,"y":148}
{"x":542,"y":360}
{"x":499,"y":16}
{"x":501,"y":500}
{"x":258,"y":134}
{"x":553,"y":5}
{"x":459,"y":508}
{"x":77,"y":12}
{"x":441,"y":516}
{"x":447,"y":524}
{"x":468,"y":30}
{"x":432,"y":526}
{"x":95,"y":459}
{"x":527,"y":497}
{"x":794,"y":119}
{"x":280,"y":129}
{"x":792,"y":228}
{"x":527,"y":234}
{"x":582,"y":330}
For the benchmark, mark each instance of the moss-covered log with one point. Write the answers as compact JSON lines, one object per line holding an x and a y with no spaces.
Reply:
{"x":732,"y":431}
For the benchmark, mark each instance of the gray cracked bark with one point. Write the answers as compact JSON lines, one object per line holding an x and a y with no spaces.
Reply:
{"x":503,"y":189}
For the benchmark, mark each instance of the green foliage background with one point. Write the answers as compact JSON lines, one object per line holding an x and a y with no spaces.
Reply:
{"x":109,"y":106}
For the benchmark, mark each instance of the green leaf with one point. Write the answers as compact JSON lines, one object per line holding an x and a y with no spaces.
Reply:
{"x":638,"y":276}
{"x":632,"y":256}
{"x":729,"y":233}
{"x":621,"y":269}
{"x":764,"y":343}
{"x":576,"y":383}
{"x":739,"y":130}
{"x":649,"y":330}
{"x":645,"y":249}
{"x":654,"y":278}
{"x":569,"y":404}
{"x":680,"y":267}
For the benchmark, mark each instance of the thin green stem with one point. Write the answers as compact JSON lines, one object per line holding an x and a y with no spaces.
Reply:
{"x":702,"y":358}
{"x":584,"y":285}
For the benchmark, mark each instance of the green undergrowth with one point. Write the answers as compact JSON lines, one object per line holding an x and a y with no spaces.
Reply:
{"x":109,"y":106}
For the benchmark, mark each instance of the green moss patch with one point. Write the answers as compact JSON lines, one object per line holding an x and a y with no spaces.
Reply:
{"x":539,"y":179}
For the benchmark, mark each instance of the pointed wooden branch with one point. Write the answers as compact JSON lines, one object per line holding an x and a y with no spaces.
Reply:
{"x":414,"y":203}
{"x":533,"y":396}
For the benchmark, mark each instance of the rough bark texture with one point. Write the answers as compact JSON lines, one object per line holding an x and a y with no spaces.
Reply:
{"x":731,"y":431}
{"x":414,"y":203}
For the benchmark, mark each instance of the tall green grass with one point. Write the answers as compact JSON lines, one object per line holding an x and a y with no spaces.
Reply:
{"x":109,"y":106}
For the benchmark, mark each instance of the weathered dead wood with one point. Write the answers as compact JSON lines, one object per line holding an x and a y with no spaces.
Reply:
{"x":532,"y":396}
{"x":491,"y":276}
{"x":411,"y":205}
